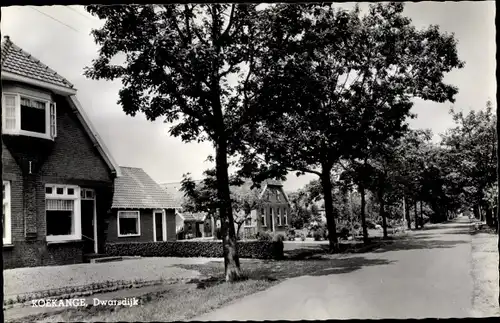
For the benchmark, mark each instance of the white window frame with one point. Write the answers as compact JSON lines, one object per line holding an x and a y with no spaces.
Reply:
{"x":50,"y":117}
{"x":138,"y":224}
{"x":163,"y":224}
{"x":7,"y":225}
{"x":285,"y":215}
{"x":278,"y":213}
{"x":250,"y":217}
{"x":77,"y":215}
{"x":263,"y":216}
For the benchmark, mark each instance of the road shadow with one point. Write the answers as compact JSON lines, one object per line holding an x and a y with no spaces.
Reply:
{"x":272,"y":270}
{"x":419,"y":244}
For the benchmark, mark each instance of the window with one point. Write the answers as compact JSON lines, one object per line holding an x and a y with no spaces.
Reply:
{"x":278,"y":195}
{"x":278,"y":215}
{"x":248,"y":220}
{"x":6,"y":214}
{"x":285,"y":216}
{"x":62,"y":213}
{"x":129,"y":224}
{"x":31,"y":116}
{"x":263,"y":217}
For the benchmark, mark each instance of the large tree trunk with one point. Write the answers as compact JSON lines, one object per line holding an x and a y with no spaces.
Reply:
{"x":406,"y":207}
{"x":363,"y":213}
{"x":416,"y":215}
{"x":326,"y":184}
{"x":421,"y":214}
{"x":382,"y":212}
{"x":230,"y":251}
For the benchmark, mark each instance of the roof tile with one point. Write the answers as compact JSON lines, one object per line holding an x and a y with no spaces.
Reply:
{"x":135,"y":189}
{"x":16,"y":60}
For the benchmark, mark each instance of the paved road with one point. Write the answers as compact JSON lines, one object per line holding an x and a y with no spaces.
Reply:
{"x":427,"y":275}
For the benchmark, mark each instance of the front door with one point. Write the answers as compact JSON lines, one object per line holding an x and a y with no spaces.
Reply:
{"x":88,"y":220}
{"x":159,"y":226}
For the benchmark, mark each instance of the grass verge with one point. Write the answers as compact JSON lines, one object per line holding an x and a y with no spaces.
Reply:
{"x":175,"y":303}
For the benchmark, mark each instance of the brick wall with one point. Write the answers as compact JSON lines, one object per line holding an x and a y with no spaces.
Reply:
{"x":73,"y":159}
{"x":146,"y":218}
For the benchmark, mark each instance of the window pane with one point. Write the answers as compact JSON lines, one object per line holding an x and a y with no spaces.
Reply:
{"x":33,"y":116}
{"x":128,"y":226}
{"x":60,"y":190}
{"x":71,"y":191}
{"x":48,"y":190}
{"x":59,"y":222}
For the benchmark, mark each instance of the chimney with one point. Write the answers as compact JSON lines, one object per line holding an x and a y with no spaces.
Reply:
{"x":6,"y":37}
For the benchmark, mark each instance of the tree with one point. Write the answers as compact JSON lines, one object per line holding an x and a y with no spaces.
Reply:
{"x":342,"y":82}
{"x":245,"y":199}
{"x":178,"y":60}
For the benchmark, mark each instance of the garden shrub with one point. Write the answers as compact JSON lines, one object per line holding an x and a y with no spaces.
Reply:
{"x":264,"y":236}
{"x":189,"y":248}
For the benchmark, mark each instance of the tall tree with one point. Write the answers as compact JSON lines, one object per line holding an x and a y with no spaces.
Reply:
{"x":178,"y":60}
{"x":345,"y":81}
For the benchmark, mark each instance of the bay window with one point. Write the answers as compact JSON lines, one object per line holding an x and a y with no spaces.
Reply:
{"x":29,"y":116}
{"x":129,"y":223}
{"x":62,"y":212}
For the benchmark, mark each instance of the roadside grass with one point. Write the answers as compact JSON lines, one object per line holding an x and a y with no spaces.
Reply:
{"x":176,"y":303}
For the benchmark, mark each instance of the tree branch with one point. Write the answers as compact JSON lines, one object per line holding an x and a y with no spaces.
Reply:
{"x":231,"y":19}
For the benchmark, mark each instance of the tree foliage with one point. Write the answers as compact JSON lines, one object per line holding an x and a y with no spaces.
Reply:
{"x":343,"y":82}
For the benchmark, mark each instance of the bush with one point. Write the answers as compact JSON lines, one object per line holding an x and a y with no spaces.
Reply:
{"x":318,"y":235}
{"x":186,"y":248}
{"x":344,"y":233}
{"x":264,"y":236}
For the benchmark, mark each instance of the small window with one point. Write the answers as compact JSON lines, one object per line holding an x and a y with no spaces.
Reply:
{"x":278,"y":215}
{"x":89,"y":194}
{"x":278,"y":195}
{"x":128,"y":223}
{"x":48,"y":190}
{"x":248,"y":220}
{"x":71,"y":191}
{"x":60,"y":191}
{"x":285,"y":216}
{"x":263,"y":217}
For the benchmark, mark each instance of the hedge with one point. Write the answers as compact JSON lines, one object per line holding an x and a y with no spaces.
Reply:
{"x":208,"y":249}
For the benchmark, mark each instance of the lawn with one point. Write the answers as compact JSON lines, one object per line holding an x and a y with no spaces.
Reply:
{"x":187,"y":301}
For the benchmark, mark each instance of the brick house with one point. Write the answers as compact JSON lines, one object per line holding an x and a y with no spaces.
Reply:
{"x":141,"y":211}
{"x":272,"y":214}
{"x":57,"y":174}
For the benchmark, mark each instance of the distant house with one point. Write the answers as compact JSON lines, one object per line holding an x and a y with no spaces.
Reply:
{"x":57,"y":173}
{"x":271,"y":215}
{"x":188,"y":224}
{"x":141,"y":210}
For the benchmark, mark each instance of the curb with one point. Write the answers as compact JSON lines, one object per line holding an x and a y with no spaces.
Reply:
{"x":21,"y":300}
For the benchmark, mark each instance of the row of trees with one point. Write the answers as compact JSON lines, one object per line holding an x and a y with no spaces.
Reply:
{"x":286,"y":87}
{"x":455,"y":175}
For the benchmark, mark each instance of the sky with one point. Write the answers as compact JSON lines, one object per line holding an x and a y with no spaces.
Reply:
{"x":59,"y":36}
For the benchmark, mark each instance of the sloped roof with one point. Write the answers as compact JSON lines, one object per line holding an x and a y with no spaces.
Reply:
{"x":174,"y":190}
{"x":135,"y":189}
{"x":17,"y":61}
